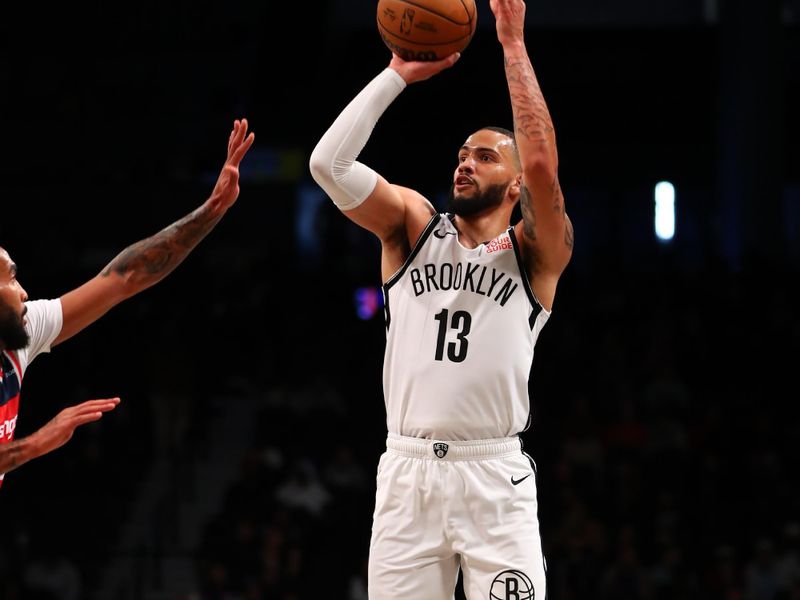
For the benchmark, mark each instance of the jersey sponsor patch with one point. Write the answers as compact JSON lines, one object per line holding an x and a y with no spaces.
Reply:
{"x":499,"y":243}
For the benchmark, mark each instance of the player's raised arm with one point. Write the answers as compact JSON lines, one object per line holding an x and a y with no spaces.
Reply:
{"x":546,"y":231}
{"x":147,"y":262}
{"x":363,"y":195}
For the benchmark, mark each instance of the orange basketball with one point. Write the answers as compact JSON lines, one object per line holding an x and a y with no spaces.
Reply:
{"x":426,"y":29}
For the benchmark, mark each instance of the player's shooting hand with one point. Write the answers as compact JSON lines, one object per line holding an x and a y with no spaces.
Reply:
{"x":60,"y":428}
{"x":226,"y":191}
{"x":414,"y":70}
{"x":509,"y":20}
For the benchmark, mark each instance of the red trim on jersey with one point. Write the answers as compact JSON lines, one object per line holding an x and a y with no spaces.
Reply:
{"x":15,"y":359}
{"x":10,"y":410}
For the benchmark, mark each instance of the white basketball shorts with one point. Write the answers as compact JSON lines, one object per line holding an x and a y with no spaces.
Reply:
{"x":442,"y":506}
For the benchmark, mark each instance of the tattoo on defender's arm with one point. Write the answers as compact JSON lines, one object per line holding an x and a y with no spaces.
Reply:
{"x":159,"y":254}
{"x":13,"y":457}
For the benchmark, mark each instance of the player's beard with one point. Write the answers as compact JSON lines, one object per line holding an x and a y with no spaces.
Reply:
{"x":12,"y":329}
{"x":466,"y":206}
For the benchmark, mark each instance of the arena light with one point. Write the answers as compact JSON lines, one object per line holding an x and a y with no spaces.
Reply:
{"x":368,"y":301}
{"x":665,"y":211}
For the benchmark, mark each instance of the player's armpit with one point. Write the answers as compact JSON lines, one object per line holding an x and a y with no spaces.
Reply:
{"x":545,"y":225}
{"x":397,"y":216}
{"x":392,"y":212}
{"x":545,"y":255}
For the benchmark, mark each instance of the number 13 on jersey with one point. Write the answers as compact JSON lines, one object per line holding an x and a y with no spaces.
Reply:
{"x":460,"y":322}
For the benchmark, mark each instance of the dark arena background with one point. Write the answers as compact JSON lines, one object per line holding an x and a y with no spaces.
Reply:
{"x":241,"y":462}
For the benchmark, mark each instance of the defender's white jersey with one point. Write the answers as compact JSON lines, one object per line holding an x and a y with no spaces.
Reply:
{"x":461,"y":328}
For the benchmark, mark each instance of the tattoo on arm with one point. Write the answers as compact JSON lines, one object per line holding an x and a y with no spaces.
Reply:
{"x":528,"y":215}
{"x":151,"y":259}
{"x":11,"y":457}
{"x":558,"y":197}
{"x":532,"y":122}
{"x":531,"y":117}
{"x":569,"y":234}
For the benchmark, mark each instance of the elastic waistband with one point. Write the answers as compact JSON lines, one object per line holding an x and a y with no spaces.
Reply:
{"x":450,"y":450}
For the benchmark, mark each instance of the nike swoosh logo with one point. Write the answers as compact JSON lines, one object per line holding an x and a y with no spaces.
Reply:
{"x":439,"y":234}
{"x":518,"y":481}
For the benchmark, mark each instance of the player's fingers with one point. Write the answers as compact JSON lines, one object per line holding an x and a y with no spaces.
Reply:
{"x":236,"y":125}
{"x":83,"y":419}
{"x":100,"y":402}
{"x":239,"y":153}
{"x":91,"y":406}
{"x":232,"y":136}
{"x":234,"y":142}
{"x":240,"y":132}
{"x":107,"y":406}
{"x":447,"y":61}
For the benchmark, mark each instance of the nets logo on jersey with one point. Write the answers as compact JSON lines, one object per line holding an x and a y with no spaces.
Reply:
{"x":512,"y":585}
{"x":440,"y":449}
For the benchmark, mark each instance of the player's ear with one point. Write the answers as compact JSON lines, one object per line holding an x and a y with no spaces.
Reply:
{"x":515,"y":189}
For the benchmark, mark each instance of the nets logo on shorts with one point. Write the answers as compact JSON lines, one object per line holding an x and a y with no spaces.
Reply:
{"x":512,"y":585}
{"x":440,"y":449}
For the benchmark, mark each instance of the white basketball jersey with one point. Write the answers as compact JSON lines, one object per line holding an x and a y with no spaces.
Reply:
{"x":461,"y":327}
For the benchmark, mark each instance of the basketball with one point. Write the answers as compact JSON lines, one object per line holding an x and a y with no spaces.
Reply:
{"x":426,"y":29}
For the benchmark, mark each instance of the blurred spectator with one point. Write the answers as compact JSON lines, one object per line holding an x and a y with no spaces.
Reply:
{"x":303,"y":490}
{"x":789,"y":559}
{"x":357,"y":586}
{"x":343,"y":474}
{"x":625,"y":577}
{"x":761,"y":578}
{"x":52,"y":576}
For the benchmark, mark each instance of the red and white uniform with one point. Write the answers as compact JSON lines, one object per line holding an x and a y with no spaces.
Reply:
{"x":44,"y":320}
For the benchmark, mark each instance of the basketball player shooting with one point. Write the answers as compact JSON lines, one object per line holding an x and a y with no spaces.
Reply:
{"x":466,"y":295}
{"x":28,"y":328}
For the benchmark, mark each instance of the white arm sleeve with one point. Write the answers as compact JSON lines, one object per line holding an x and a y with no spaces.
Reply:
{"x":333,"y":162}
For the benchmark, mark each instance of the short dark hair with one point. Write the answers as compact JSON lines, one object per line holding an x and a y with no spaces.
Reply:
{"x":506,"y":132}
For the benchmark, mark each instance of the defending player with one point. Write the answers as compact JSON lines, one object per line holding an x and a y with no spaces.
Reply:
{"x":28,"y":328}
